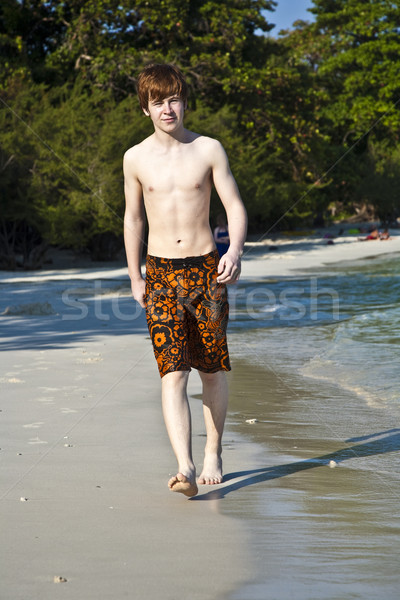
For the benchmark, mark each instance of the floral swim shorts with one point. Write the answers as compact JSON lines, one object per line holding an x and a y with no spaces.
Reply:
{"x":187,"y":313}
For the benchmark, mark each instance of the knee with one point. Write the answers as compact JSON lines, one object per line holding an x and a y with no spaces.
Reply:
{"x":175,"y":379}
{"x":212,"y":379}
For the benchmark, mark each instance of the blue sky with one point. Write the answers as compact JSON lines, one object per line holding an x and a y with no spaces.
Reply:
{"x":287,"y":12}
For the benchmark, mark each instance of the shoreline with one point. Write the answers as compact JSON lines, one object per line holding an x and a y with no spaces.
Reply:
{"x":291,"y":257}
{"x":321,"y":494}
{"x":299,"y":254}
{"x":281,"y":254}
{"x":83,"y":440}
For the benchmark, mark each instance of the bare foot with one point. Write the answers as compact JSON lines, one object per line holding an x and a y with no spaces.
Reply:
{"x":180,"y":483}
{"x":212,"y":470}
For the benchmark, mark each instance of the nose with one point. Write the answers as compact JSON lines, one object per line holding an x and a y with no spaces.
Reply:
{"x":167,"y":107}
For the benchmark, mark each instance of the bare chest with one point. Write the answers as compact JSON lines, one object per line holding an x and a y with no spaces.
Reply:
{"x":169,"y":174}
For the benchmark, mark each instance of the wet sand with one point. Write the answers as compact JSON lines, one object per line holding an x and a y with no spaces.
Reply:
{"x":321,"y":497}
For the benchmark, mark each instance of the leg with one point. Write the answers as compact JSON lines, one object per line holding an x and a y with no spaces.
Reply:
{"x":178,"y":422}
{"x":215,"y":403}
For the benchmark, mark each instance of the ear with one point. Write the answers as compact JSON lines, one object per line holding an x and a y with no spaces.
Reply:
{"x":146,"y":112}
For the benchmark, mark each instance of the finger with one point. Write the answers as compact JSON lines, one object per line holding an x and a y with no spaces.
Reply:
{"x":231,"y":277}
{"x":223,"y":274}
{"x":140,"y":301}
{"x":221,"y":266}
{"x":224,"y":277}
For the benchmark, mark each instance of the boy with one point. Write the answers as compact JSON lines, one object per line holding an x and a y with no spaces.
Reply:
{"x":168,"y":177}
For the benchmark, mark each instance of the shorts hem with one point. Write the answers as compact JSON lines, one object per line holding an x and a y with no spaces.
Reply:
{"x":213,"y":369}
{"x":173,"y":370}
{"x":210,"y":371}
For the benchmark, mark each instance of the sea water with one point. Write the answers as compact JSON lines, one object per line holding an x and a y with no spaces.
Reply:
{"x":338,"y":324}
{"x":316,"y":362}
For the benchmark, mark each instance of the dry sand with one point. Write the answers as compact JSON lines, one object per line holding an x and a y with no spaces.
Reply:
{"x":83,"y":442}
{"x":286,"y":255}
{"x":85,"y":461}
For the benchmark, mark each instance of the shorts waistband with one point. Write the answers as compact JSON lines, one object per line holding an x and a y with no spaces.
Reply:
{"x":188,"y":261}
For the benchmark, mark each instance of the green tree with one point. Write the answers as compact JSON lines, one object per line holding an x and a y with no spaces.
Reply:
{"x":358,"y":66}
{"x":61,"y":165}
{"x":381,"y":183}
{"x":84,"y":116}
{"x":214,"y":43}
{"x":288,"y":110}
{"x":351,"y":51}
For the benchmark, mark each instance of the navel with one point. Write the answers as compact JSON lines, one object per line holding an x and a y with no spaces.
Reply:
{"x":178,"y":241}
{"x":197,"y":186}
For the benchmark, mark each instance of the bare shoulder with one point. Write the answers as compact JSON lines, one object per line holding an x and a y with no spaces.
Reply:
{"x":209,"y":143}
{"x":212,"y":148}
{"x":135,"y":155}
{"x":130,"y":157}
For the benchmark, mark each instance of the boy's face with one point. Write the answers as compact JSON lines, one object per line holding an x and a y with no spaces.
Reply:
{"x":167,"y":113}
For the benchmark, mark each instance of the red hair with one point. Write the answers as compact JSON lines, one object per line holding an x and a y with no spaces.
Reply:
{"x":158,"y":81}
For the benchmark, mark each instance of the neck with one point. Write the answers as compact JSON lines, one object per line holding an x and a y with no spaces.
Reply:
{"x":180,"y":136}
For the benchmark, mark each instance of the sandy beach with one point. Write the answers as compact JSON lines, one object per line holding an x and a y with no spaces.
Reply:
{"x":308,"y":508}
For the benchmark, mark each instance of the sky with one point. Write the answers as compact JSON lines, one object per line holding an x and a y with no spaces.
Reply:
{"x":287,"y":12}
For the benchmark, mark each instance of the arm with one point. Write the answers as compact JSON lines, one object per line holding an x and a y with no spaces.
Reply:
{"x":225,"y":184}
{"x":134,"y":220}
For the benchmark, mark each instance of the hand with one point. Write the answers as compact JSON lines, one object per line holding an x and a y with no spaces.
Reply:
{"x":229,"y":268}
{"x":138,"y":290}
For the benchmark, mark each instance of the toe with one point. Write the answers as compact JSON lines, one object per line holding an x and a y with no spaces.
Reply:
{"x":209,"y":480}
{"x":172,"y":481}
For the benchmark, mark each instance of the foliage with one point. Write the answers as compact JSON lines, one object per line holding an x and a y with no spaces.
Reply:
{"x":308,"y":118}
{"x":359,"y":45}
{"x":381,"y":184}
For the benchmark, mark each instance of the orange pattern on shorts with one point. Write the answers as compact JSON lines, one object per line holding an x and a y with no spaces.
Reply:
{"x":187,"y":313}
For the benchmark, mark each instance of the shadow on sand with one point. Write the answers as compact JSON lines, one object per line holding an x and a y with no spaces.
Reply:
{"x":389,"y":443}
